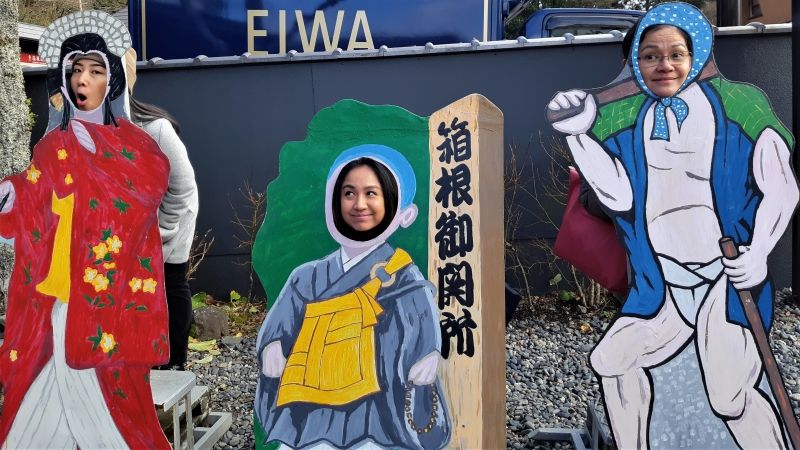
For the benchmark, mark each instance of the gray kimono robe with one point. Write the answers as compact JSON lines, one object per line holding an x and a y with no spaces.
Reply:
{"x":407,"y":331}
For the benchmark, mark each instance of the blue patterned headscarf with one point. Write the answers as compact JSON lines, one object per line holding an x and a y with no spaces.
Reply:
{"x":693,"y":22}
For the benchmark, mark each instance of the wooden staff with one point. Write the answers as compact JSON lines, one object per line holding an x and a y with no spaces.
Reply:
{"x":730,"y":251}
{"x":615,"y":91}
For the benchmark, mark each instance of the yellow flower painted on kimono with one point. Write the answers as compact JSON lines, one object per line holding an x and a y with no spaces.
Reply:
{"x":89,"y":275}
{"x":109,"y":266}
{"x":135,"y":284}
{"x":62,"y":154}
{"x":149,"y":285}
{"x":12,"y":355}
{"x":114,"y":244}
{"x":100,"y":250}
{"x":107,"y":342}
{"x":100,"y":283}
{"x":68,"y":179}
{"x":33,"y":174}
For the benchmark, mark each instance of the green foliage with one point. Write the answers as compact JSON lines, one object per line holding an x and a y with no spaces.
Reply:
{"x":235,"y":296}
{"x":199,"y":300}
{"x":645,"y":5}
{"x":565,"y":295}
{"x":31,"y":115}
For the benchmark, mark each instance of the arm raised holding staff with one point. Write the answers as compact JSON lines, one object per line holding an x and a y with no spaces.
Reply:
{"x":681,"y":162}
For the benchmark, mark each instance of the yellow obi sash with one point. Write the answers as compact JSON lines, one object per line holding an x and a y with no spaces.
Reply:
{"x":333,"y":361}
{"x":57,"y":282}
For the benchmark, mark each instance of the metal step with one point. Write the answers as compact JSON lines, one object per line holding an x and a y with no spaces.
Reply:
{"x":200,"y":409}
{"x":215,"y":425}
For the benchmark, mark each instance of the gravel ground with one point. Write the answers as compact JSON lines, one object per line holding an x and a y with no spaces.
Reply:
{"x":548,"y":382}
{"x":231,"y":378}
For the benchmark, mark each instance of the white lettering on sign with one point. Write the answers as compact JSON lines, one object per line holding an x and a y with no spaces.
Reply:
{"x":308,"y":39}
{"x":360,"y":22}
{"x":252,"y":33}
{"x":309,"y":45}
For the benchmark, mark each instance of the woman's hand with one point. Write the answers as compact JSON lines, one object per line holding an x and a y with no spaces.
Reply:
{"x":424,"y":371}
{"x":273,"y":360}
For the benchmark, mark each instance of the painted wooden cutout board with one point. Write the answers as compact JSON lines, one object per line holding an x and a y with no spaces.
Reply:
{"x":680,"y":158}
{"x":351,"y":349}
{"x":87,"y":315}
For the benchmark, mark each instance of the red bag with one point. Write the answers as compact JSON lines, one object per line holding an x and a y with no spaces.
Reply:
{"x":590,"y":243}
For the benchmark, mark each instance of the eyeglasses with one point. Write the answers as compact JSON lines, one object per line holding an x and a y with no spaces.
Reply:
{"x":674,"y":59}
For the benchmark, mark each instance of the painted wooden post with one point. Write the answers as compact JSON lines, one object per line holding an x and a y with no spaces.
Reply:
{"x":466,"y":265}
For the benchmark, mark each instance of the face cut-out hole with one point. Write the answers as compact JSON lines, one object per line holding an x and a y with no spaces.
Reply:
{"x":365,"y":219}
{"x":88,"y":80}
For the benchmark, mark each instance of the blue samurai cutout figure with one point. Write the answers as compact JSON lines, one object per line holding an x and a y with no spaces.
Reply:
{"x":350,"y":350}
{"x":680,"y":160}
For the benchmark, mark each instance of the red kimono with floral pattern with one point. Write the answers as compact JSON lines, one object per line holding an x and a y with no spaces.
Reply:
{"x":85,"y":232}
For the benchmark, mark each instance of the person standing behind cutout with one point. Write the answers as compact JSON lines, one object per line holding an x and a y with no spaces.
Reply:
{"x":177,"y":215}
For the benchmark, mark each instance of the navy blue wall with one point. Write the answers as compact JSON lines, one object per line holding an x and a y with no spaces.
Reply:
{"x":235,"y":118}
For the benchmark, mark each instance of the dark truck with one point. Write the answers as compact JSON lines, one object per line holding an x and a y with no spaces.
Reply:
{"x":555,"y":22}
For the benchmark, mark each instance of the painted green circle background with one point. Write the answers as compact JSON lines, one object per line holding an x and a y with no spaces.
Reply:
{"x":294,"y":230}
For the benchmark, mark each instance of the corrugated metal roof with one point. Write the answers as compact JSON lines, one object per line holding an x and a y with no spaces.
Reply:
{"x":122,"y":16}
{"x":383,"y":51}
{"x":33,"y":32}
{"x":29,"y":31}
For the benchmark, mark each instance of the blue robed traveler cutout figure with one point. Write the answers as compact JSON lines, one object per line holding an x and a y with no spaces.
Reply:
{"x":350,"y":350}
{"x":688,"y":158}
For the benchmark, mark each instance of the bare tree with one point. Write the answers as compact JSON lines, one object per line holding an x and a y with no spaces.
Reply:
{"x":14,"y":131}
{"x":200,"y":248}
{"x":248,"y":224}
{"x":545,"y":190}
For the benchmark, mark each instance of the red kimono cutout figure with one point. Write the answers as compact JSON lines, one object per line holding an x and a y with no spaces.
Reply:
{"x":87,"y":315}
